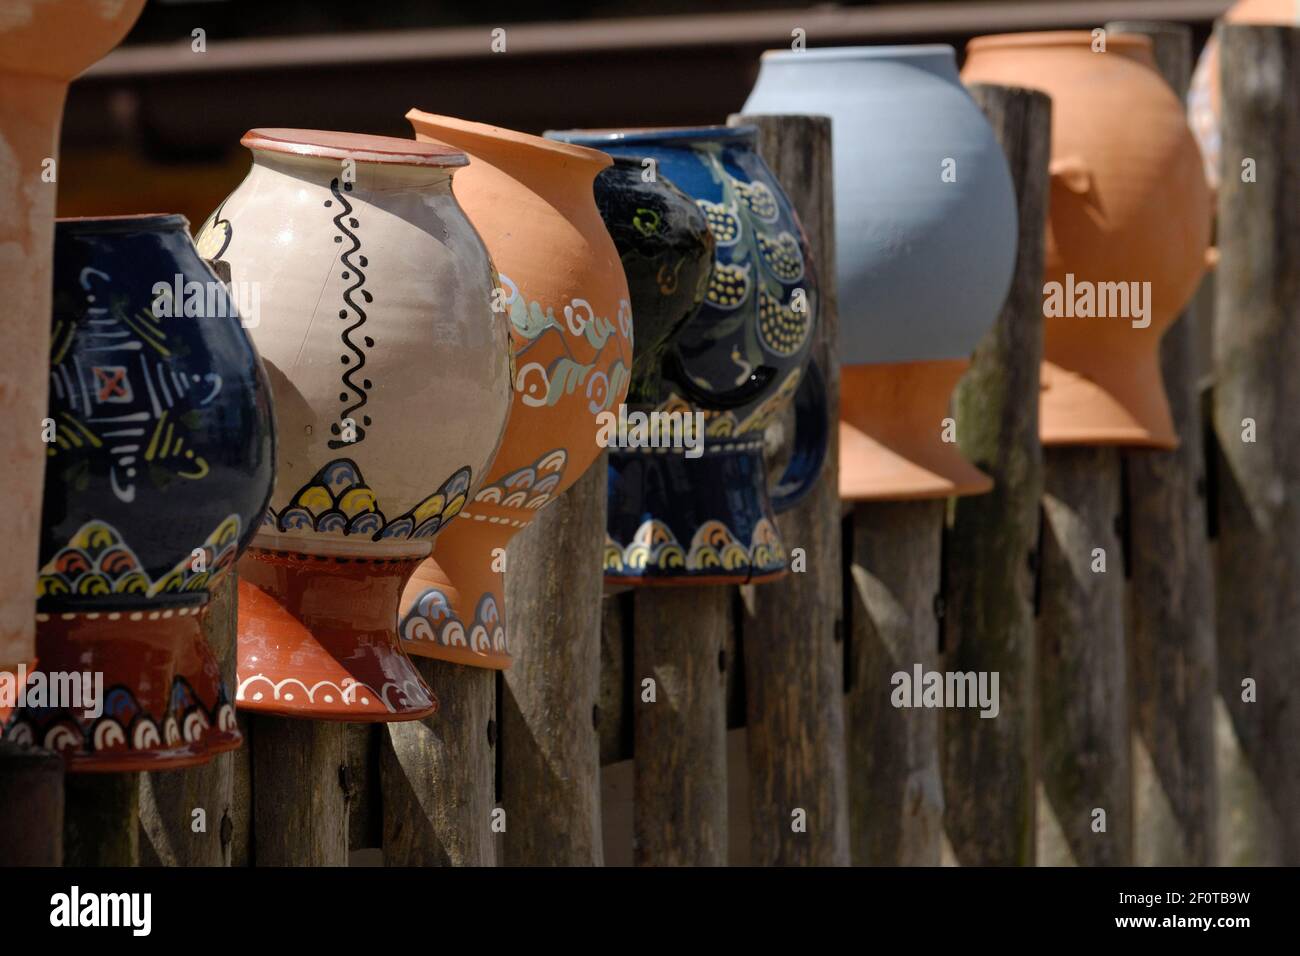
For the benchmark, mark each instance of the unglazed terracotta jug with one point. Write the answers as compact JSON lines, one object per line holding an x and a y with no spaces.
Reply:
{"x":1127,"y":235}
{"x":925,"y":235}
{"x":566,"y":298}
{"x":159,"y":465}
{"x":43,"y":45}
{"x":391,"y":375}
{"x":741,"y":359}
{"x":1203,"y":95}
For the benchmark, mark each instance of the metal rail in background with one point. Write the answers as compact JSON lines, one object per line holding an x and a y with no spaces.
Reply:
{"x":824,"y":25}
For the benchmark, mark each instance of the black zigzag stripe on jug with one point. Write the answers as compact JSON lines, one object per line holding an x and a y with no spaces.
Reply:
{"x":353,"y":269}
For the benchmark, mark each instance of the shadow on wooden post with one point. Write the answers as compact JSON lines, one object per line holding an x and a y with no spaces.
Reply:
{"x":1257,"y":426}
{"x":439,"y":774}
{"x":1084,"y":759}
{"x":793,"y":651}
{"x":168,"y":801}
{"x":991,"y":555}
{"x":100,"y":819}
{"x":299,"y":799}
{"x":31,"y":795}
{"x":679,"y":641}
{"x":1171,"y":588}
{"x":896,"y":797}
{"x":550,"y":753}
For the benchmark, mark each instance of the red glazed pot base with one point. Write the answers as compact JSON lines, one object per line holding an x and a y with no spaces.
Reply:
{"x":163,"y":698}
{"x":318,"y":639}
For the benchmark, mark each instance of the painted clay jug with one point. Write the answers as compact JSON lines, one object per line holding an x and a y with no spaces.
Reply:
{"x":159,"y":465}
{"x":925,"y":234}
{"x":709,"y":518}
{"x":1203,"y":95}
{"x":1127,"y":235}
{"x":564,"y":293}
{"x":391,"y":375}
{"x":43,"y":45}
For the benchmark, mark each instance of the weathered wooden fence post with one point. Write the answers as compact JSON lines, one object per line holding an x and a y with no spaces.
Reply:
{"x":31,"y":793}
{"x":991,"y":558}
{"x":791,"y":630}
{"x":1084,"y":760}
{"x":439,"y":773}
{"x":169,"y":800}
{"x":299,"y":798}
{"x":1256,"y":399}
{"x":100,"y":819}
{"x":679,"y":815}
{"x":550,"y":752}
{"x":896,"y":797}
{"x":1171,"y":588}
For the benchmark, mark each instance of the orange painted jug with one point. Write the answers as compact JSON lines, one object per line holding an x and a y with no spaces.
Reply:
{"x":563,"y":288}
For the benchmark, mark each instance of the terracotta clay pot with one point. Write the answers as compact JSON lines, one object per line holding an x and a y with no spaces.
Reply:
{"x":43,"y":45}
{"x":158,"y":470}
{"x":922,"y":191}
{"x":1203,"y":94}
{"x":891,"y":434}
{"x":391,"y":375}
{"x":1129,"y":206}
{"x":739,"y":362}
{"x":564,"y":292}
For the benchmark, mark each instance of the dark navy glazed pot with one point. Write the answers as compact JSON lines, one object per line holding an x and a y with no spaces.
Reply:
{"x":159,"y":463}
{"x":741,"y":359}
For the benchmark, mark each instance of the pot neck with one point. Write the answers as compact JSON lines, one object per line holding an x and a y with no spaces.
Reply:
{"x":369,"y":178}
{"x":558,"y":172}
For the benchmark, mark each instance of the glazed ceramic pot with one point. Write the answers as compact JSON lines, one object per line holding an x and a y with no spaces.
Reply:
{"x":564,"y":293}
{"x":739,"y":361}
{"x":158,"y":468}
{"x":43,"y":45}
{"x":666,"y":248}
{"x":391,"y":376}
{"x":1203,"y":94}
{"x":1129,"y":224}
{"x":925,"y":235}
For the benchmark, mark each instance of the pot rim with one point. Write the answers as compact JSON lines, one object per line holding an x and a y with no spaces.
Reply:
{"x":361,"y":147}
{"x":650,"y":135}
{"x":416,"y":117}
{"x":1044,"y":38}
{"x":897,"y":51}
{"x":133,"y":222}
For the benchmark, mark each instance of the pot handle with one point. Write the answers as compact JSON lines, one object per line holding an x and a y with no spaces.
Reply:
{"x":1071,"y":172}
{"x":811,"y":435}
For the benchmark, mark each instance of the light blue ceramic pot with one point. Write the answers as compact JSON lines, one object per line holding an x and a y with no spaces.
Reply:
{"x":925,"y":215}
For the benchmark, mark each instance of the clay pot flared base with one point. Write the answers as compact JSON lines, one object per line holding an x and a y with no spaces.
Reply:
{"x":318,"y":639}
{"x":164,"y":705}
{"x":1106,"y":404}
{"x":462,"y":626}
{"x":892,"y":430}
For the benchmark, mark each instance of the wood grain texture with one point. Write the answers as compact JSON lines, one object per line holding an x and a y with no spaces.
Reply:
{"x":679,"y":815}
{"x":791,"y":628}
{"x":1257,"y":354}
{"x":614,"y":723}
{"x":100,"y":819}
{"x":1084,"y":760}
{"x":299,"y":802}
{"x":31,"y":793}
{"x":895,"y":792}
{"x":439,"y":774}
{"x":1170,"y":600}
{"x":991,"y":554}
{"x":550,"y":786}
{"x":362,"y":783}
{"x":168,"y":801}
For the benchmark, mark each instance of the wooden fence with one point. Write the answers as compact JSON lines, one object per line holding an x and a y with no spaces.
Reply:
{"x":1163,"y":690}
